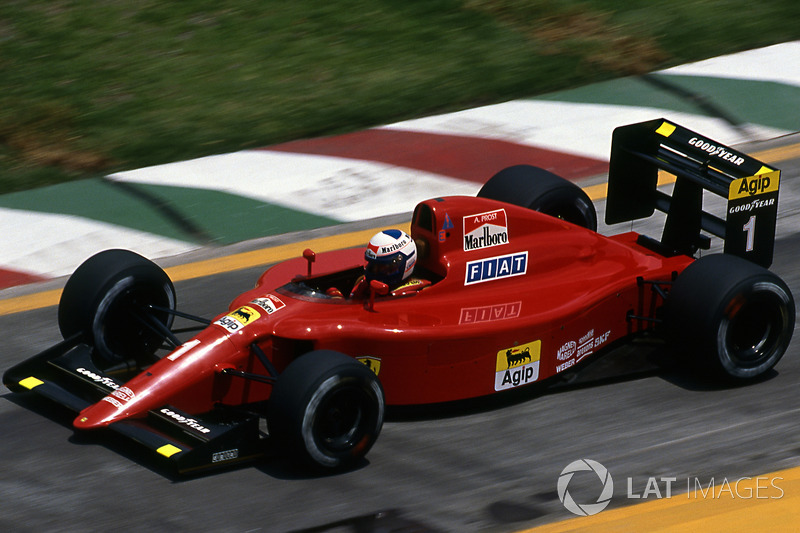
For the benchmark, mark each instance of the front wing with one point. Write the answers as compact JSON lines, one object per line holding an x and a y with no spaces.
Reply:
{"x":181,"y":442}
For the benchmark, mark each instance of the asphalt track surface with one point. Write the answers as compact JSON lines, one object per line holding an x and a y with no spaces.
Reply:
{"x":478,"y":468}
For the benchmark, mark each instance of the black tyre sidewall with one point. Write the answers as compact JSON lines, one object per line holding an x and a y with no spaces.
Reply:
{"x":712,"y":302}
{"x":95,"y":293}
{"x":299,"y":399}
{"x":541,"y":190}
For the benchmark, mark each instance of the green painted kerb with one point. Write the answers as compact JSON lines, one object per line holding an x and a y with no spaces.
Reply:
{"x":167,"y":211}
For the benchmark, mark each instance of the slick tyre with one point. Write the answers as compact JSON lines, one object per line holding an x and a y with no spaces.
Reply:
{"x":540,"y":190}
{"x":326,"y":410}
{"x":730,"y":317}
{"x":106,"y":300}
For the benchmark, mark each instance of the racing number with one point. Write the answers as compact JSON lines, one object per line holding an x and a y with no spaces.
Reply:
{"x":750,"y":230}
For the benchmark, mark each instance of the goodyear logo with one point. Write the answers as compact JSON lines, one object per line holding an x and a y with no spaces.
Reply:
{"x":753,"y":185}
{"x":238,"y":319}
{"x":492,"y":268}
{"x":517,"y":366}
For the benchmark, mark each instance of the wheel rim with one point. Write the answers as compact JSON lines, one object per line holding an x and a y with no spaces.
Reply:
{"x":119,"y":332}
{"x":341,"y":419}
{"x":575,"y":212}
{"x":755,"y":328}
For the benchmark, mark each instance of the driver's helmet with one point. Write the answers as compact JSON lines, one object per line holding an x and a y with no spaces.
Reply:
{"x":391,"y":255}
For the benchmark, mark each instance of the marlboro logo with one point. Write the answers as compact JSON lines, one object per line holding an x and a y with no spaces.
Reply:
{"x":485,"y":230}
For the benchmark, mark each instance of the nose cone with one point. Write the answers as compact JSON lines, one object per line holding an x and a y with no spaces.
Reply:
{"x":101,"y":414}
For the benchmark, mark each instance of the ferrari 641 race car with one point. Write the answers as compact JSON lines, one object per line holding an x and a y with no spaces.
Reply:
{"x":519,"y":288}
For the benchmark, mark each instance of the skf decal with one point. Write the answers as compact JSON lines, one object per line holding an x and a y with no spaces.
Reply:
{"x":373,"y":363}
{"x":589,"y":342}
{"x":760,"y":184}
{"x":270,"y":304}
{"x":572,"y":352}
{"x":238,"y":319}
{"x":502,"y":266}
{"x":489,"y":313}
{"x":485,"y":230}
{"x":517,"y":366}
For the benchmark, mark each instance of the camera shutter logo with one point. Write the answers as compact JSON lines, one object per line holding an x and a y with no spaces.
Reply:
{"x":586,"y":509}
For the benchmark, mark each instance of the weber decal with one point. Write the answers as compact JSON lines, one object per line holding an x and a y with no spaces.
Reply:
{"x":517,"y":366}
{"x":238,"y":319}
{"x":485,"y":230}
{"x":573,"y":351}
{"x":502,"y":266}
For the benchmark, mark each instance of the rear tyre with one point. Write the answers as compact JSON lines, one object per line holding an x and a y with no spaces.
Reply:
{"x":540,"y":190}
{"x":105,"y":300}
{"x":733,"y":318}
{"x":326,"y":410}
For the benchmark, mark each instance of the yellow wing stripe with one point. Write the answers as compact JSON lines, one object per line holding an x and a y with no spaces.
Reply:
{"x":31,"y":383}
{"x":666,"y":129}
{"x":168,"y":450}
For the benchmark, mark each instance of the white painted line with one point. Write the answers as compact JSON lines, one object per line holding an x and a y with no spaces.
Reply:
{"x":778,"y":63}
{"x":54,"y":245}
{"x":339,"y":188}
{"x":579,"y":129}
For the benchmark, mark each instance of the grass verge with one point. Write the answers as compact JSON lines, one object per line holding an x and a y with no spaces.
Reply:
{"x":88,"y":88}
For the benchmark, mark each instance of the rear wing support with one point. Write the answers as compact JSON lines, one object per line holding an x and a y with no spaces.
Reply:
{"x":639,"y":151}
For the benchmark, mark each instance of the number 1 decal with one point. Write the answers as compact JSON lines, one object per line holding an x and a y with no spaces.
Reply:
{"x":750,"y":229}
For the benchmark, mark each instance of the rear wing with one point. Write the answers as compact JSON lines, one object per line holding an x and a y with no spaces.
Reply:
{"x":639,"y":151}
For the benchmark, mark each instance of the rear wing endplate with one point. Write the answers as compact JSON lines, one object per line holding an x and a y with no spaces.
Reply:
{"x":639,"y":151}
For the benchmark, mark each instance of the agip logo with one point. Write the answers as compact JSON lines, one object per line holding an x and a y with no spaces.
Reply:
{"x":517,"y":366}
{"x":238,"y":319}
{"x":484,"y":230}
{"x":754,"y":185}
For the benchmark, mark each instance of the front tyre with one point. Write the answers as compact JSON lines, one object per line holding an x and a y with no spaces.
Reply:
{"x":108,"y":301}
{"x":733,"y":318}
{"x":326,"y":410}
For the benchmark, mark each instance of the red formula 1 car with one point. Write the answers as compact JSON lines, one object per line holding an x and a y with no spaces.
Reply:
{"x":522,"y":288}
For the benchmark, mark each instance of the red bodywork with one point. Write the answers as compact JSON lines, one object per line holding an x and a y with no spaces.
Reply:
{"x":517,"y":297}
